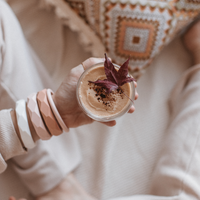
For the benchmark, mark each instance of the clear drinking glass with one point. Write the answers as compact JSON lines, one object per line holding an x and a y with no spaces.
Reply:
{"x":101,"y":117}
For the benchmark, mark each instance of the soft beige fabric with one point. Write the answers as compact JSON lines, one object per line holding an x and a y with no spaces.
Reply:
{"x":3,"y":164}
{"x":55,"y":45}
{"x":176,"y":175}
{"x":10,"y":145}
{"x":124,"y":157}
{"x":21,"y":73}
{"x":145,"y":152}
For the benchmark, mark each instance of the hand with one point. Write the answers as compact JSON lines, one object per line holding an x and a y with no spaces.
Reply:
{"x":68,"y":189}
{"x":66,"y":102}
{"x":13,"y":198}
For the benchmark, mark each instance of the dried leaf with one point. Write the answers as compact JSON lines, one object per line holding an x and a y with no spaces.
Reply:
{"x":108,"y":85}
{"x":110,"y":71}
{"x":122,"y":74}
{"x":115,"y":78}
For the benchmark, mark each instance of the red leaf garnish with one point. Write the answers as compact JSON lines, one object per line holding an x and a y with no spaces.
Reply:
{"x":108,"y":85}
{"x":110,"y":71}
{"x":114,"y":78}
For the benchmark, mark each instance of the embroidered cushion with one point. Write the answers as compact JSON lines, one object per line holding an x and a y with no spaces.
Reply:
{"x":136,"y":28}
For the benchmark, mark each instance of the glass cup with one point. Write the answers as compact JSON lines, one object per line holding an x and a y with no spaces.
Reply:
{"x":83,"y":91}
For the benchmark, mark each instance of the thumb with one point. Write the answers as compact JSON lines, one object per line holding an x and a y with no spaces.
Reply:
{"x":91,"y":61}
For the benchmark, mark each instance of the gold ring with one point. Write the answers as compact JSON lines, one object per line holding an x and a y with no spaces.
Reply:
{"x":83,"y":66}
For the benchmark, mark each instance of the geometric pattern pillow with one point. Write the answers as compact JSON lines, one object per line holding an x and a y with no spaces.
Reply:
{"x":135,"y":28}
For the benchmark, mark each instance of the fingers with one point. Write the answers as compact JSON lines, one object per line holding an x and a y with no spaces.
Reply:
{"x":13,"y":198}
{"x":132,"y":109}
{"x":78,"y":70}
{"x":135,"y":84}
{"x":136,"y":93}
{"x":91,"y":61}
{"x":110,"y":123}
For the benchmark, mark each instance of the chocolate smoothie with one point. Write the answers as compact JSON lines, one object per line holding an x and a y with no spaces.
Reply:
{"x":96,"y":102}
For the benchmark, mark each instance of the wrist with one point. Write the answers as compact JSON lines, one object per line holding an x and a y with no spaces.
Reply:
{"x":196,"y":56}
{"x":59,"y":106}
{"x":55,"y":101}
{"x":55,"y":104}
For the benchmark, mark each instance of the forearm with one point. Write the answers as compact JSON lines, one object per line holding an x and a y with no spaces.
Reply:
{"x":30,"y":124}
{"x":36,"y":119}
{"x":23,"y":73}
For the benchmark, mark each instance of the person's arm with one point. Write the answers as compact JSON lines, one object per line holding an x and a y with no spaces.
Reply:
{"x":177,"y":174}
{"x":22,"y":73}
{"x":65,"y":103}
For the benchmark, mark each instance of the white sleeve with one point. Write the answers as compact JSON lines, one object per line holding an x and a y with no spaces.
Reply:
{"x":3,"y":164}
{"x":10,"y":145}
{"x":177,"y":174}
{"x":22,"y":73}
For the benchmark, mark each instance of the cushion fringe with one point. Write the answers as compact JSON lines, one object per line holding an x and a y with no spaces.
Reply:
{"x":87,"y":38}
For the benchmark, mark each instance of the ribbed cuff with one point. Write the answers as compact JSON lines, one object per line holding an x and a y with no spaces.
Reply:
{"x":10,"y":145}
{"x":3,"y":164}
